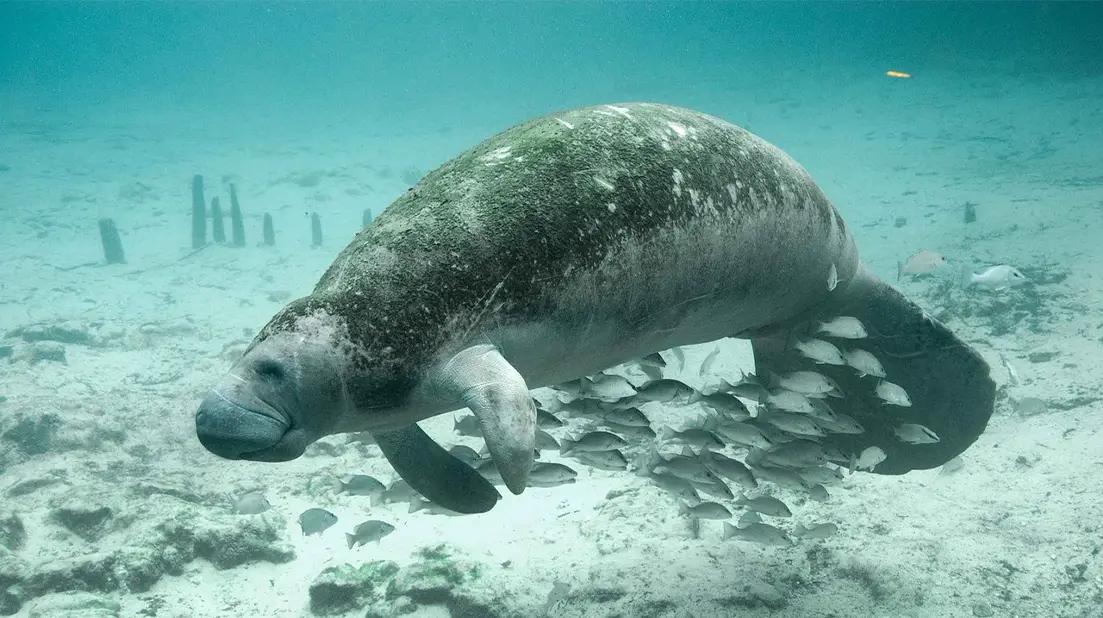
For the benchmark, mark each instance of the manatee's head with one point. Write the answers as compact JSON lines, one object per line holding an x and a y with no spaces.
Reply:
{"x":287,"y":390}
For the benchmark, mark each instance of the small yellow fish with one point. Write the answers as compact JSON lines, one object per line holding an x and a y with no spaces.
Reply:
{"x":898,"y":74}
{"x":921,"y":263}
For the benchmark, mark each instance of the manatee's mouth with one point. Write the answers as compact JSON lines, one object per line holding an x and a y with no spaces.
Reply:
{"x":256,"y":433}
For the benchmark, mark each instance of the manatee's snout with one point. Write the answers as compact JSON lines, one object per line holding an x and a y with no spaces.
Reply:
{"x":282,"y":395}
{"x":233,"y":431}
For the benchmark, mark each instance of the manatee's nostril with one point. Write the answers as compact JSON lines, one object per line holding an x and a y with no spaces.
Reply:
{"x":269,"y":369}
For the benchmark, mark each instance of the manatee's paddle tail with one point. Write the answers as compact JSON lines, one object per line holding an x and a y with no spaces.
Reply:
{"x":947,"y":381}
{"x":435,"y":473}
{"x":481,"y":378}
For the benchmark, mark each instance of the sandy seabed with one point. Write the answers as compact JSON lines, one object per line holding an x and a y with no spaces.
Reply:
{"x":1016,"y":532}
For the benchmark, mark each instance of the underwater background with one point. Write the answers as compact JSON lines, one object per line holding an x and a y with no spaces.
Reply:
{"x":972,"y":131}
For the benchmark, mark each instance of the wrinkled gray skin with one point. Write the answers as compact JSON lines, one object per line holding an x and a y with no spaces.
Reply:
{"x":562,"y":247}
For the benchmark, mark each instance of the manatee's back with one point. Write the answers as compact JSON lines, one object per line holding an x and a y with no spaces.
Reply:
{"x":550,"y":199}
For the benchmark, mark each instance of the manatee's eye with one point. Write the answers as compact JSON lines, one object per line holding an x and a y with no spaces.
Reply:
{"x":269,"y":370}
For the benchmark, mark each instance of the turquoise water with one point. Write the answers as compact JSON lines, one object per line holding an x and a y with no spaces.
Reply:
{"x":972,"y":132}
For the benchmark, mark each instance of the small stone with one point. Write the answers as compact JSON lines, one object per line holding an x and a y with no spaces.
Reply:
{"x":75,"y":605}
{"x":12,"y":533}
{"x":982,"y":609}
{"x":40,"y":351}
{"x":73,"y":332}
{"x":341,"y":589}
{"x":88,"y":521}
{"x":34,"y":434}
{"x":767,"y":595}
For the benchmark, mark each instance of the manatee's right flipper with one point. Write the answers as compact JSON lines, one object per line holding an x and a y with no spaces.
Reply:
{"x":948,"y":382}
{"x":434,"y":472}
{"x":480,"y":378}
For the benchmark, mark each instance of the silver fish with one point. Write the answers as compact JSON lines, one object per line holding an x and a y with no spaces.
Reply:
{"x":693,"y":436}
{"x":559,"y":593}
{"x":747,"y":518}
{"x":806,"y":383}
{"x":585,"y":407}
{"x":666,"y":391}
{"x":688,"y":468}
{"x":832,"y":278}
{"x":821,"y":411}
{"x":743,"y":434}
{"x":893,"y":394}
{"x":818,"y":493}
{"x":630,"y":432}
{"x":820,"y":351}
{"x":545,"y":441}
{"x":490,"y":472}
{"x":998,"y":277}
{"x":789,"y":401}
{"x":547,"y":419}
{"x":821,"y":475}
{"x":398,"y":491}
{"x":911,"y":433}
{"x":593,"y":441}
{"x":630,"y":417}
{"x":841,"y":424}
{"x":680,"y":356}
{"x":706,"y":364}
{"x":781,"y":477}
{"x":466,"y":454}
{"x":796,"y":454}
{"x":815,"y":531}
{"x":675,"y":485}
{"x":467,"y":425}
{"x":316,"y":521}
{"x":864,"y":363}
{"x":252,"y":503}
{"x":729,"y":468}
{"x":607,"y":387}
{"x":758,"y":533}
{"x":603,"y":460}
{"x":705,"y":510}
{"x":545,"y":474}
{"x":572,"y":387}
{"x":717,"y":488}
{"x":748,"y":387}
{"x":370,"y":531}
{"x":952,"y":466}
{"x":360,"y":485}
{"x":843,"y":327}
{"x":420,"y":504}
{"x":869,"y":458}
{"x":730,"y":407}
{"x":798,"y":424}
{"x":767,"y":505}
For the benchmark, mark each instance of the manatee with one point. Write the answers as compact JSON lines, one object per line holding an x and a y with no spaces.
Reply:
{"x":564,"y":246}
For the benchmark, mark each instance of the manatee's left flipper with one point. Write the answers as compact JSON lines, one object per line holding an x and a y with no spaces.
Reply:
{"x":484,"y":381}
{"x":947,"y":381}
{"x":435,"y":473}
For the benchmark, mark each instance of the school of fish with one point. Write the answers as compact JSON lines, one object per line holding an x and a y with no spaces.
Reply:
{"x":754,"y":438}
